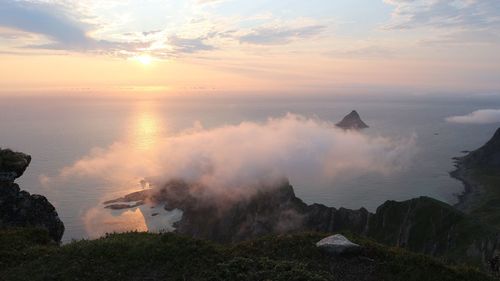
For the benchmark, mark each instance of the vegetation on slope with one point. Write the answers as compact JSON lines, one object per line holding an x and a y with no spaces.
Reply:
{"x":28,"y":254}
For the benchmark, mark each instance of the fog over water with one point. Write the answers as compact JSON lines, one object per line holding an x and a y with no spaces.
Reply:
{"x":87,"y":151}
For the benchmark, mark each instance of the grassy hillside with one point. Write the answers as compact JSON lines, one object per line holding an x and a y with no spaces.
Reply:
{"x":27,"y":254}
{"x":487,"y":206}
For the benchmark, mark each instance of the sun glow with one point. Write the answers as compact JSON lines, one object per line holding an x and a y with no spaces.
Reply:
{"x":144,"y":59}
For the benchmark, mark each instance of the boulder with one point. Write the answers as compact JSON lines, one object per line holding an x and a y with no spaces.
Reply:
{"x":18,"y":208}
{"x":12,"y":164}
{"x":338,"y":245}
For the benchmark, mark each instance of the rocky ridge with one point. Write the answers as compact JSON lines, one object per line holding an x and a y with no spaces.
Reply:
{"x":422,"y":225}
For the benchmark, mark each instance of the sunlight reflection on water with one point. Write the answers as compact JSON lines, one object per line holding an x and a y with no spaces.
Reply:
{"x":146,"y":127}
{"x":144,"y":131}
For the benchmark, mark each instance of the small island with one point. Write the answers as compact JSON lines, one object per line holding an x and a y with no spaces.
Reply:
{"x":352,"y":121}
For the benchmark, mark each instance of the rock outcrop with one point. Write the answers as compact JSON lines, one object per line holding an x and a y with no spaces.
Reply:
{"x":19,"y":208}
{"x":487,"y":156}
{"x":352,"y":121}
{"x":338,"y":245}
{"x":12,"y":164}
{"x":270,"y":210}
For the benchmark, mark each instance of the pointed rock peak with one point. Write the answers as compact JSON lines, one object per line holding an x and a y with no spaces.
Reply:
{"x":352,"y":121}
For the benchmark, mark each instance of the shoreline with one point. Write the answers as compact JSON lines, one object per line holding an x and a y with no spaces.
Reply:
{"x":472,"y":189}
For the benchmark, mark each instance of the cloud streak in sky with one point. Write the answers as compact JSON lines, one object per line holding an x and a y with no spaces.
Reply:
{"x":482,"y":116}
{"x":280,"y":34}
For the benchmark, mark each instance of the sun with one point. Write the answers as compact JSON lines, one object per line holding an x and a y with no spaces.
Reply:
{"x":144,"y":59}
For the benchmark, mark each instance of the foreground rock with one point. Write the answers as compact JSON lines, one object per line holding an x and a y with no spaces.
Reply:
{"x":18,"y":208}
{"x":12,"y":164}
{"x":338,"y":245}
{"x":352,"y":121}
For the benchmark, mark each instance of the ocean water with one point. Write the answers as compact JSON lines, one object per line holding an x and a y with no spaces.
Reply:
{"x":58,"y":132}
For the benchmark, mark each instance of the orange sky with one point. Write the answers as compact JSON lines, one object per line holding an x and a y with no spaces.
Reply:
{"x":181,"y":47}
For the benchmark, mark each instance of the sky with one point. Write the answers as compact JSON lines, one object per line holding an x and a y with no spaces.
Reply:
{"x":260,"y":47}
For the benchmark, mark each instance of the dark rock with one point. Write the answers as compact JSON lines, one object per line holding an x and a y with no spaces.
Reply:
{"x":487,"y":156}
{"x":422,"y":225}
{"x":12,"y":164}
{"x":20,"y":209}
{"x":124,"y":206}
{"x":352,"y":121}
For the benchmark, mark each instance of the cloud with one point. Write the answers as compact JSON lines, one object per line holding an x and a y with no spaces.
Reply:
{"x":372,"y":51}
{"x":272,"y":35}
{"x":49,"y":20}
{"x":64,"y":30}
{"x":202,"y":2}
{"x":189,"y":45}
{"x":238,"y":158}
{"x":445,"y":13}
{"x":461,"y":21}
{"x":482,"y":116}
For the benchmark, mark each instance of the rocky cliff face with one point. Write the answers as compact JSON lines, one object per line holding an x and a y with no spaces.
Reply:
{"x":352,"y":121}
{"x":426,"y":225}
{"x":12,"y":164}
{"x":487,"y":156}
{"x":422,"y":225}
{"x":18,"y":208}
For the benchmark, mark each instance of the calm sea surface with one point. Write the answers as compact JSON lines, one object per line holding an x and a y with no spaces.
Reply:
{"x":59,"y":132}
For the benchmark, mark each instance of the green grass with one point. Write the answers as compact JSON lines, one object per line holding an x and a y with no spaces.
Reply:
{"x":28,"y":255}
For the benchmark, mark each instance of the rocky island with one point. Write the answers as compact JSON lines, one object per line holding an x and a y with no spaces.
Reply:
{"x":352,"y":121}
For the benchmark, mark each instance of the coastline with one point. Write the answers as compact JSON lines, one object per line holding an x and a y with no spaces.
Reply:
{"x":473,"y":190}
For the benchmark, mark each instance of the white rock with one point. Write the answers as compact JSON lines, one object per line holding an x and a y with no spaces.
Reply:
{"x":337,"y":244}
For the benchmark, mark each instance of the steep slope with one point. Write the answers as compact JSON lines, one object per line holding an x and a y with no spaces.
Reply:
{"x":422,"y":225}
{"x":480,"y":172}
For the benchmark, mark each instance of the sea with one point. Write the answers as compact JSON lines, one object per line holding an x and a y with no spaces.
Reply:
{"x":58,"y":132}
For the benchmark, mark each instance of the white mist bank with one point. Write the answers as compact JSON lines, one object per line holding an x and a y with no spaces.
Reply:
{"x":482,"y":116}
{"x":237,"y":158}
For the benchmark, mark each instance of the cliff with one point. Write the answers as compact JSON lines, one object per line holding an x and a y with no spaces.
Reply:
{"x":479,"y":171}
{"x":422,"y":225}
{"x":487,"y":156}
{"x":19,"y":208}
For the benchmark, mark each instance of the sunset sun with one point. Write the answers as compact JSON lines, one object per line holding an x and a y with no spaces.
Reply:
{"x":144,"y":59}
